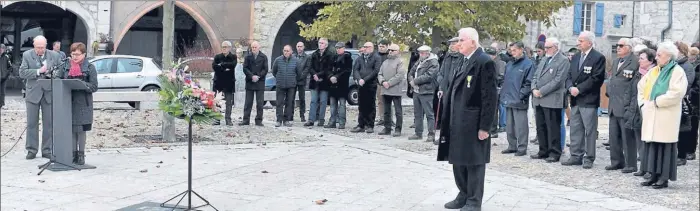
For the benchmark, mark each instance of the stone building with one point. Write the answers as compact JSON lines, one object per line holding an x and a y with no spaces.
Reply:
{"x":612,"y":20}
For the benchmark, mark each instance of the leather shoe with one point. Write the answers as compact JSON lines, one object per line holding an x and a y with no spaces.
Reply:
{"x":611,"y":167}
{"x":508,"y":151}
{"x":30,"y":156}
{"x":628,"y":170}
{"x":536,"y":156}
{"x":243,"y":123}
{"x":681,"y":162}
{"x":454,"y":204}
{"x":520,"y":153}
{"x":470,"y":208}
{"x":572,"y":162}
{"x":690,"y":156}
{"x":552,"y":159}
{"x":259,"y":124}
{"x":384,"y":132}
{"x":660,"y":184}
{"x":369,"y":130}
{"x":606,"y":143}
{"x":587,"y":164}
{"x":649,"y":182}
{"x":639,"y":174}
{"x":46,"y":155}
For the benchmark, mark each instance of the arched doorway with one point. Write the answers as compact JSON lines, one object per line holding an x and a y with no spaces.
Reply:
{"x":288,"y":33}
{"x":21,"y":21}
{"x":145,"y":36}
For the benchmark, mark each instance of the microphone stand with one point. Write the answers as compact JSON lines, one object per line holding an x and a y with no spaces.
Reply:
{"x":51,"y":75}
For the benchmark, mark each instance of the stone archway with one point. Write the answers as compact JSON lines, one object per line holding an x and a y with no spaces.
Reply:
{"x":268,"y":37}
{"x":76,"y":8}
{"x":208,"y":30}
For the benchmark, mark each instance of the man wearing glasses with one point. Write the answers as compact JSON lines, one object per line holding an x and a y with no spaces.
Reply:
{"x":225,"y":78}
{"x":365,"y":73}
{"x":623,"y":150}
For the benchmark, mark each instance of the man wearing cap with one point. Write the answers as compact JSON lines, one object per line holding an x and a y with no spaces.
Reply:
{"x":365,"y":73}
{"x":500,"y":115}
{"x":390,"y":77}
{"x":451,"y":57}
{"x":515,"y":95}
{"x":339,"y":86}
{"x":423,"y":80}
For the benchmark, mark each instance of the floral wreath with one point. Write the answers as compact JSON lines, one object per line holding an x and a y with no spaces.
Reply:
{"x":184,"y":98}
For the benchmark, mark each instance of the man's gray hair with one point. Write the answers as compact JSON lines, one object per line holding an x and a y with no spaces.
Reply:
{"x":471,"y":33}
{"x":627,"y":41}
{"x":590,"y":36}
{"x":226,"y":43}
{"x":323,"y":38}
{"x":555,"y":42}
{"x":669,"y":48}
{"x":39,"y":37}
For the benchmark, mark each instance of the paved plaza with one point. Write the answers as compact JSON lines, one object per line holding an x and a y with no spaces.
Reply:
{"x":350,"y":174}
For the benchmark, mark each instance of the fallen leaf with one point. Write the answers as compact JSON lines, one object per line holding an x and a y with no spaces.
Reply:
{"x":158,"y":166}
{"x":321,"y":201}
{"x":265,"y":172}
{"x":143,"y":170}
{"x":183,"y":157}
{"x":160,"y":161}
{"x":41,"y":181}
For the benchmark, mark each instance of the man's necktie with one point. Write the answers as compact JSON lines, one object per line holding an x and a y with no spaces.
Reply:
{"x":549,"y":59}
{"x":580,"y":62}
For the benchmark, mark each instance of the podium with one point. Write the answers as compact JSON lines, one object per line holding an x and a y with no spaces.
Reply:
{"x":62,"y":119}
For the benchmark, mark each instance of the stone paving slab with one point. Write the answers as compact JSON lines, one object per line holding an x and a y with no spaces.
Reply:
{"x":351,"y":174}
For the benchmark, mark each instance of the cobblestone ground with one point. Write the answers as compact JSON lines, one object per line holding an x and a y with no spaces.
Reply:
{"x":113,"y":130}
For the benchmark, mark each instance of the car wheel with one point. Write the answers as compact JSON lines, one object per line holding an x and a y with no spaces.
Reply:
{"x":354,"y":96}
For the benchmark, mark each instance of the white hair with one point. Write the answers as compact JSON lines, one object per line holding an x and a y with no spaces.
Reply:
{"x":590,"y":36}
{"x":627,"y":41}
{"x":226,"y":43}
{"x":555,"y":42}
{"x":669,"y":48}
{"x":638,"y":48}
{"x":40,"y":38}
{"x":470,"y":33}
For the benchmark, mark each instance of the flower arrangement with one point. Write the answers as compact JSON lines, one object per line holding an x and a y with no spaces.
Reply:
{"x":183,"y":97}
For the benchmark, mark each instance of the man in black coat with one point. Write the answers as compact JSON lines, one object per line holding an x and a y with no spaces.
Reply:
{"x":5,"y":68}
{"x":365,"y":73}
{"x":586,"y":75}
{"x":320,"y":67}
{"x":255,"y":70}
{"x":470,"y":104}
{"x":224,"y":65}
{"x":303,"y":78}
{"x":339,"y":78}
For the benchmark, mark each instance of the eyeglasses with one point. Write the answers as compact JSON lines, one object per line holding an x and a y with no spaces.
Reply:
{"x":286,"y":50}
{"x":548,"y":47}
{"x":367,"y":46}
{"x":76,"y":54}
{"x":225,"y":46}
{"x":621,"y":45}
{"x":300,"y":46}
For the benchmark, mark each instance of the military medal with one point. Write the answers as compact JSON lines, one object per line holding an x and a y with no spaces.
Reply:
{"x":469,"y":81}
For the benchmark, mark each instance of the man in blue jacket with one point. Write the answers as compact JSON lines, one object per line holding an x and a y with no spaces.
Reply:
{"x":515,"y":95}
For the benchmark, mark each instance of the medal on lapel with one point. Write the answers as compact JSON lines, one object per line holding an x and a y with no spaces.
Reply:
{"x":469,"y":81}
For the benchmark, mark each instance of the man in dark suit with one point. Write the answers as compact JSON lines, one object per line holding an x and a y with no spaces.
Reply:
{"x":224,"y":65}
{"x":37,"y":64}
{"x":365,"y":73}
{"x":623,"y":146}
{"x":255,"y":69}
{"x":549,"y":91}
{"x":586,"y":74}
{"x":470,"y":103}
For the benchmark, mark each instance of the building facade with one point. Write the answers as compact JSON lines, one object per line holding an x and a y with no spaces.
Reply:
{"x":612,"y":20}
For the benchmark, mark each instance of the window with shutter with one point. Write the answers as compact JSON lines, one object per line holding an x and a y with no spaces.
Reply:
{"x":599,"y":15}
{"x":583,"y":16}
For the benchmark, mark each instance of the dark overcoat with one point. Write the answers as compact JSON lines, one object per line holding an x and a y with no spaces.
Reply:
{"x":321,"y":66}
{"x":342,"y":67}
{"x":470,"y":103}
{"x":81,"y":100}
{"x":255,"y":66}
{"x":224,"y":81}
{"x":5,"y":69}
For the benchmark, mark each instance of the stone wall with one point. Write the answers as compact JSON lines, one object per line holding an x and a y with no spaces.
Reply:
{"x":643,"y":19}
{"x":268,"y":18}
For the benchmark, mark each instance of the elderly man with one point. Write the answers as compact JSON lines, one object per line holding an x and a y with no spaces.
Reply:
{"x":390,"y":76}
{"x":586,"y":74}
{"x":224,"y":65}
{"x":5,"y":68}
{"x":423,"y":80}
{"x":303,"y":78}
{"x":320,"y":67}
{"x":501,"y":68}
{"x":470,"y":103}
{"x":549,"y":91}
{"x":57,"y":48}
{"x":255,"y":70}
{"x":382,"y":50}
{"x":286,"y":70}
{"x":623,"y":146}
{"x":339,"y":86}
{"x":36,"y":64}
{"x":451,"y":59}
{"x":365,"y":73}
{"x":515,"y":95}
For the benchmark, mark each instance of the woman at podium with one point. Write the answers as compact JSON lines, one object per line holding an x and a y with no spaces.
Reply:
{"x":78,"y":68}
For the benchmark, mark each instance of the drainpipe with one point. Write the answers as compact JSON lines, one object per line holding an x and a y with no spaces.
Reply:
{"x":670,"y":21}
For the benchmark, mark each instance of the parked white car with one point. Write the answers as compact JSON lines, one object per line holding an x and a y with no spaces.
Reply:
{"x":125,"y":72}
